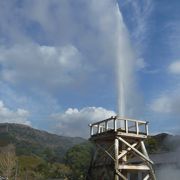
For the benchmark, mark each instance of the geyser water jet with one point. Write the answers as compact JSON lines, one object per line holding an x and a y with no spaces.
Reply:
{"x":125,"y":67}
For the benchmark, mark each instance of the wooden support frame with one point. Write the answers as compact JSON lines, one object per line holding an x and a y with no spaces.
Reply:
{"x":142,"y":156}
{"x":126,"y":151}
{"x":124,"y":144}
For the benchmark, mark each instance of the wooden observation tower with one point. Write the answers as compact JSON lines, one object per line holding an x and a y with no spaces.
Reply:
{"x":120,"y":151}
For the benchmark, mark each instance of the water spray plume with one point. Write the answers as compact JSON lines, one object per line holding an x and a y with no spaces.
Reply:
{"x":125,"y":66}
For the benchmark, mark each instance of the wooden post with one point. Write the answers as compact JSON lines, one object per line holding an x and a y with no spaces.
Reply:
{"x":106,"y":125}
{"x":116,"y":153}
{"x":150,"y":166}
{"x":126,"y":126}
{"x":115,"y":124}
{"x":98,"y":128}
{"x":91,"y":129}
{"x":146,"y":128}
{"x":137,"y":127}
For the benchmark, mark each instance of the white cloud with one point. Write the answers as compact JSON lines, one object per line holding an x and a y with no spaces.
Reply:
{"x":42,"y":66}
{"x":19,"y":116}
{"x":173,"y":41}
{"x":89,"y":30}
{"x":162,"y":105}
{"x":74,"y":122}
{"x":168,"y":102}
{"x":141,"y":64}
{"x":174,"y":67}
{"x":52,"y":44}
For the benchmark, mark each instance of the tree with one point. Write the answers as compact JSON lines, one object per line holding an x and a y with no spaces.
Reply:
{"x":78,"y":159}
{"x":151,"y":144}
{"x":58,"y":170}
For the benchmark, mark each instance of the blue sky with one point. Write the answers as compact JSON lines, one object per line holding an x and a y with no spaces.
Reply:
{"x":57,"y":67}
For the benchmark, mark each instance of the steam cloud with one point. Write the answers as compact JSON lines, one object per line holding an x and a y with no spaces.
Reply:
{"x":168,"y":173}
{"x":169,"y":169}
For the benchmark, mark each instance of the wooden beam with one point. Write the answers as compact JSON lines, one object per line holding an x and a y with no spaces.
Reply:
{"x":116,"y":153}
{"x":121,"y":175}
{"x":146,"y":177}
{"x":134,"y":167}
{"x":126,"y":151}
{"x":143,"y":148}
{"x":109,"y":119}
{"x":132,"y":134}
{"x":152,"y":174}
{"x":132,"y":120}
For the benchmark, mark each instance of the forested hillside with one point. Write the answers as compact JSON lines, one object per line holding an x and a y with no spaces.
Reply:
{"x":35,"y":154}
{"x":27,"y":153}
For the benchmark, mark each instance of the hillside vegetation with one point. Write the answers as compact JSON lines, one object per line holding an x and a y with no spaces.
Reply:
{"x":38,"y":155}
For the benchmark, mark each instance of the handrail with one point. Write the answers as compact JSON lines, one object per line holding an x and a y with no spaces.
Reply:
{"x":125,"y":125}
{"x":119,"y":118}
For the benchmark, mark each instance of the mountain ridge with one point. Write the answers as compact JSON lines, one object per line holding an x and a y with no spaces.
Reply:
{"x":30,"y":141}
{"x":15,"y":133}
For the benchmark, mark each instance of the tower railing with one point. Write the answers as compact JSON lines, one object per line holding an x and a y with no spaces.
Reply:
{"x":118,"y":124}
